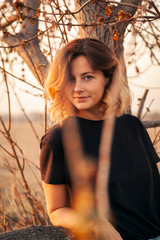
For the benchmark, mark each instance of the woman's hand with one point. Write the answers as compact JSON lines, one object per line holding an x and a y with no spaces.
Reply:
{"x":61,"y":215}
{"x":105,"y":231}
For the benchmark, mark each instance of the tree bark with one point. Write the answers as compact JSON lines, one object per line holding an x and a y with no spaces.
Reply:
{"x":31,"y":54}
{"x":104,"y":31}
{"x":87,"y":15}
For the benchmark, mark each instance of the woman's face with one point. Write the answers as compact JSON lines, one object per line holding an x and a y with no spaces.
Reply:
{"x":85,"y":88}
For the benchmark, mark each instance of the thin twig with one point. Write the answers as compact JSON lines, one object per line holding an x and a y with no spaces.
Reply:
{"x":148,"y":109}
{"x":20,"y":79}
{"x":155,"y":141}
{"x":141,"y":105}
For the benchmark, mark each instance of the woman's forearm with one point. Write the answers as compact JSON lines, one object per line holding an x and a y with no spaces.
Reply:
{"x":70,"y":219}
{"x":66,"y":217}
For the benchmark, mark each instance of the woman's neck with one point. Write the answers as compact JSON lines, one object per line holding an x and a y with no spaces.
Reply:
{"x":90,"y":115}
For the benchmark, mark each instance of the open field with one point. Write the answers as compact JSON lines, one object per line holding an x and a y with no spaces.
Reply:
{"x":23,"y":135}
{"x":11,"y":183}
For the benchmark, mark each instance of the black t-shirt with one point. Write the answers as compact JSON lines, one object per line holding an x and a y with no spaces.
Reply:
{"x":134,"y":181}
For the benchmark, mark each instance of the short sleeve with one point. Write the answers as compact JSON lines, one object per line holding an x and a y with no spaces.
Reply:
{"x":52,"y":158}
{"x":149,"y":146}
{"x":145,"y":139}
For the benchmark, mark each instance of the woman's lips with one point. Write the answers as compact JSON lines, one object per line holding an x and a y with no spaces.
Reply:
{"x":80,"y":99}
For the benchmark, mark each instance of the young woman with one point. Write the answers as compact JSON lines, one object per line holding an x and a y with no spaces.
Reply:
{"x":79,"y":83}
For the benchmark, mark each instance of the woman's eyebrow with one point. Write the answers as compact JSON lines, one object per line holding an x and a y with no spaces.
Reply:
{"x":85,"y":73}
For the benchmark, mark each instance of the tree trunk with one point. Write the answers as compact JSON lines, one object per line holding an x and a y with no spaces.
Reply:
{"x":87,"y":16}
{"x":31,"y":54}
{"x":104,"y":32}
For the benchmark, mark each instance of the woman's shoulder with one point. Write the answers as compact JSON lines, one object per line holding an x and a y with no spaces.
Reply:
{"x":129,"y":123}
{"x":53,"y":134}
{"x":129,"y":119}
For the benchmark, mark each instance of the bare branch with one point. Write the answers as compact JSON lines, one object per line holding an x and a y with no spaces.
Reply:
{"x":4,"y":149}
{"x":20,"y":79}
{"x":141,"y":105}
{"x":151,"y":124}
{"x":150,"y":48}
{"x":155,"y":7}
{"x":9,"y":21}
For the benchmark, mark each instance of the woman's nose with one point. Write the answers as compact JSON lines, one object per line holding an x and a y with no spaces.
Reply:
{"x":78,"y":86}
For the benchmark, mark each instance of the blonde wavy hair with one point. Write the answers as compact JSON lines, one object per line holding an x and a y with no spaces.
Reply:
{"x":101,"y":58}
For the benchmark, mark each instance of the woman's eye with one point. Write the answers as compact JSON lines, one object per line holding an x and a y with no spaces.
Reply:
{"x":71,"y":79}
{"x":88,"y":77}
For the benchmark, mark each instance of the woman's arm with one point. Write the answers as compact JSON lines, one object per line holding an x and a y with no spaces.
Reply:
{"x":104,"y":230}
{"x":57,"y":199}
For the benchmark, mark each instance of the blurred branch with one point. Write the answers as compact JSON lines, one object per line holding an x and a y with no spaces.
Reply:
{"x":102,"y":179}
{"x":151,"y":124}
{"x":81,"y":171}
{"x":141,"y":104}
